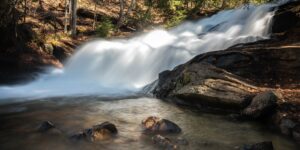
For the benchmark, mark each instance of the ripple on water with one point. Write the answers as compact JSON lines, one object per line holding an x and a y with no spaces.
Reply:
{"x":202,"y":130}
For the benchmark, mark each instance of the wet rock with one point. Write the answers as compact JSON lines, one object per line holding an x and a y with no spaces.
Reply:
{"x":103,"y":131}
{"x":262,"y":105}
{"x":286,"y":17}
{"x":49,"y":128}
{"x":78,"y":136}
{"x":164,"y":142}
{"x":203,"y":84}
{"x":296,"y":133}
{"x":286,"y":126}
{"x":46,"y":126}
{"x":236,"y":117}
{"x":259,"y":146}
{"x":181,"y":141}
{"x":157,"y":125}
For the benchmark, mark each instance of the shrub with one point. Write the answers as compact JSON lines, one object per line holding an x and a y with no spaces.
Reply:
{"x":175,"y":19}
{"x":104,"y":29}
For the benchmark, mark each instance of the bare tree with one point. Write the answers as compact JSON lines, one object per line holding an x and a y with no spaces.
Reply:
{"x":25,"y":11}
{"x":73,"y":17}
{"x":131,"y":7}
{"x":95,"y":16}
{"x":121,"y":14}
{"x":66,"y":16}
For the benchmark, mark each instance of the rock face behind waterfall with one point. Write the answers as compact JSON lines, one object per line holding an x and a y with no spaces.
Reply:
{"x":238,"y":78}
{"x":231,"y":77}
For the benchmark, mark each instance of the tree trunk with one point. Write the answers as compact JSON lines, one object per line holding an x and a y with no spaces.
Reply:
{"x":25,"y":11}
{"x":73,"y":18}
{"x":95,"y":16}
{"x":131,"y":7}
{"x":41,"y":4}
{"x":66,"y":16}
{"x":121,"y":14}
{"x":8,"y":22}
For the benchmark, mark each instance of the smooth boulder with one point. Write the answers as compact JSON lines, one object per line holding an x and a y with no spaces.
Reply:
{"x":202,"y":84}
{"x":49,"y":128}
{"x":263,"y":104}
{"x":103,"y":131}
{"x":156,"y":125}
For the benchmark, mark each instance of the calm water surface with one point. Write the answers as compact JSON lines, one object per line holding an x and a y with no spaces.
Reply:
{"x":19,"y":121}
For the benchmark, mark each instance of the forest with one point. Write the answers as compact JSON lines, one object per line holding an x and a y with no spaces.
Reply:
{"x":150,"y":74}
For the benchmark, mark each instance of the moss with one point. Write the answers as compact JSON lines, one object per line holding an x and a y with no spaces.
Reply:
{"x":186,"y":78}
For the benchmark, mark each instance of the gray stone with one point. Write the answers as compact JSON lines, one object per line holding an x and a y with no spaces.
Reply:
{"x":262,"y":104}
{"x":204,"y":84}
{"x":286,"y":126}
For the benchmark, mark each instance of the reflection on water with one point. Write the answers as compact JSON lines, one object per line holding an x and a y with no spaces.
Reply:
{"x":203,"y":131}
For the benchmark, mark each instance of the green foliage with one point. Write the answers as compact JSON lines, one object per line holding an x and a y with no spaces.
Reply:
{"x":176,"y":18}
{"x":178,"y":10}
{"x":141,"y":19}
{"x":144,"y":17}
{"x":104,"y":29}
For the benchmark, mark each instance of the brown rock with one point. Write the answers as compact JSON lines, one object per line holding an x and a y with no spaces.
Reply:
{"x":157,"y":125}
{"x":103,"y":131}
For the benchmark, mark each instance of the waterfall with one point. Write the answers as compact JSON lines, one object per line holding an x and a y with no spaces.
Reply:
{"x":122,"y":67}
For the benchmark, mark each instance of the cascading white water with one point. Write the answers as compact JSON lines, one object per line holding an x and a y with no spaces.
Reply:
{"x":122,"y":67}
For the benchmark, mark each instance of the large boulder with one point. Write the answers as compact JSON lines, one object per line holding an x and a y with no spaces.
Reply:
{"x":263,"y":104}
{"x":204,"y":84}
{"x":286,"y":17}
{"x":156,"y":125}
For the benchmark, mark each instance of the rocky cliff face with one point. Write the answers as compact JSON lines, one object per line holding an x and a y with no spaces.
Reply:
{"x":232,"y":75}
{"x":236,"y":77}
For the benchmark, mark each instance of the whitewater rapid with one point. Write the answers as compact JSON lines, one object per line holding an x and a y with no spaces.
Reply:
{"x":123,"y":67}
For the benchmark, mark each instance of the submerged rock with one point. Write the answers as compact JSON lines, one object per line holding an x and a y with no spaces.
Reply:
{"x":49,"y":128}
{"x":164,"y":142}
{"x":296,"y":133}
{"x":286,"y":125}
{"x":268,"y":145}
{"x":46,"y":126}
{"x":78,"y":136}
{"x":181,"y":141}
{"x":157,"y":125}
{"x":103,"y":131}
{"x":262,"y":104}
